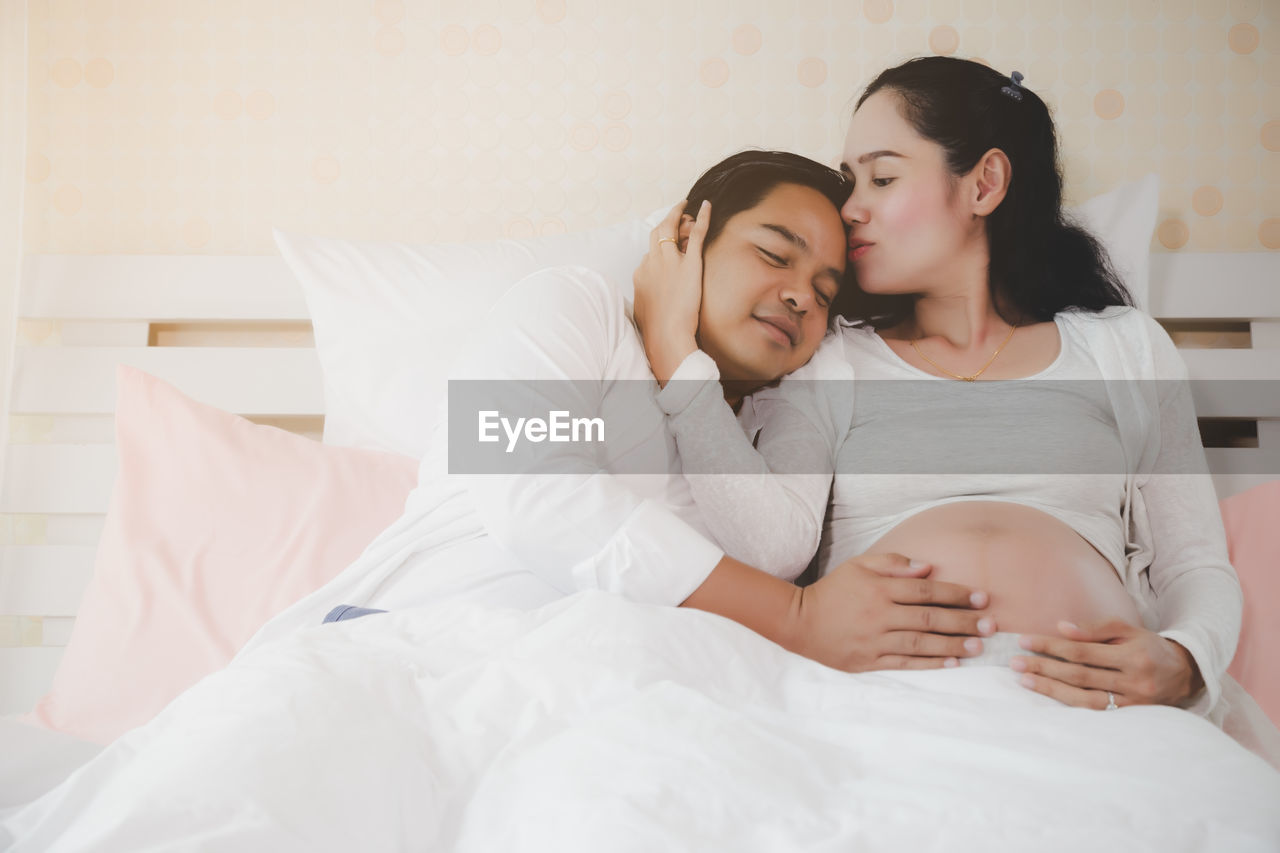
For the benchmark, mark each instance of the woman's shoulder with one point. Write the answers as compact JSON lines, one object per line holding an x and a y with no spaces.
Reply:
{"x":1130,"y":334}
{"x":1127,"y":324}
{"x":1111,"y":315}
{"x":1117,"y":319}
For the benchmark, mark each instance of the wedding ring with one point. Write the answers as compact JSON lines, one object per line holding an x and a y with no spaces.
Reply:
{"x":667,"y":240}
{"x":1111,"y":701}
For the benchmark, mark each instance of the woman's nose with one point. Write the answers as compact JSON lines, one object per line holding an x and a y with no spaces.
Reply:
{"x":854,"y":212}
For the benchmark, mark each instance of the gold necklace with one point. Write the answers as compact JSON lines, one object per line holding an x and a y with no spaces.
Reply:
{"x":957,"y":375}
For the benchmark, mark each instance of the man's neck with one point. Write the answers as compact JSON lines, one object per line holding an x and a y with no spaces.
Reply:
{"x":735,"y":391}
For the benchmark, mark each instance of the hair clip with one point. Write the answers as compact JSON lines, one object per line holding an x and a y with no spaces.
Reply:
{"x":1014,"y":91}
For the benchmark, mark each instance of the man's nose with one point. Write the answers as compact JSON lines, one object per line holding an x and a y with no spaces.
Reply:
{"x":797,"y":298}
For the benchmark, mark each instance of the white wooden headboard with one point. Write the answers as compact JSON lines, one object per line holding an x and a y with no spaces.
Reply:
{"x":234,"y":333}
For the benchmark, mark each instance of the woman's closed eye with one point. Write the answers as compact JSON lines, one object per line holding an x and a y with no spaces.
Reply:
{"x":882,"y":182}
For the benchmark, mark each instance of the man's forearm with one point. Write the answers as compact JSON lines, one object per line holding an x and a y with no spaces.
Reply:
{"x":756,"y":599}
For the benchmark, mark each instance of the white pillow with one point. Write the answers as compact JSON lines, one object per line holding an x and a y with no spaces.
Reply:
{"x":389,"y":317}
{"x":1123,"y":220}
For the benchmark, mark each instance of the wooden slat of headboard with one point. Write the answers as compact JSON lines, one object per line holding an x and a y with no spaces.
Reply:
{"x":243,"y":380}
{"x":160,"y":288}
{"x":58,"y":478}
{"x":1225,"y":365}
{"x":1232,"y":364}
{"x":1263,"y":462}
{"x":1212,"y":285}
{"x":1236,"y":469}
{"x":25,"y":675}
{"x":45,"y":579}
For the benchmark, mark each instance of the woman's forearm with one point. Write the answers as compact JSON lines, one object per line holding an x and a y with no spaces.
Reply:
{"x":666,"y":349}
{"x":764,"y":502}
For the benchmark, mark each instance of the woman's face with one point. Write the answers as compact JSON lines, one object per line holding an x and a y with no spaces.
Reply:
{"x":768,"y":281}
{"x":907,"y":223}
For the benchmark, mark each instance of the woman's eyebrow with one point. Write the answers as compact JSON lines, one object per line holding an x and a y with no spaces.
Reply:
{"x":868,"y":157}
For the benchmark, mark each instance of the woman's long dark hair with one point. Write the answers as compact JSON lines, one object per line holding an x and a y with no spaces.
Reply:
{"x":1040,"y":261}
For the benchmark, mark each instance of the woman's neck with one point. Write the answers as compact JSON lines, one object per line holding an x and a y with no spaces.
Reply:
{"x":957,"y":306}
{"x":966,"y":322}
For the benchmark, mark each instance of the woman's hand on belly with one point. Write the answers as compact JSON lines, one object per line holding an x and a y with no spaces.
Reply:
{"x":1136,"y":666}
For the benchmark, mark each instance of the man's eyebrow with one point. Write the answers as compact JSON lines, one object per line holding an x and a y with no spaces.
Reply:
{"x":868,"y":157}
{"x":791,"y":236}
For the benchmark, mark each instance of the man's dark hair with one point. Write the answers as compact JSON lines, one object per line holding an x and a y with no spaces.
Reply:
{"x":741,"y":181}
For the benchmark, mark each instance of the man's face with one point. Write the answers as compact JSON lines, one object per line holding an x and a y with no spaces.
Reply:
{"x":768,"y":282}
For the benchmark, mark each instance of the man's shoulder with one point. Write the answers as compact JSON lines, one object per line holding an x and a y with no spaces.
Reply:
{"x":571,"y":284}
{"x":575,"y":306}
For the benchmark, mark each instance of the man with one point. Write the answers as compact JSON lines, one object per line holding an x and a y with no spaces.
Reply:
{"x":506,"y":514}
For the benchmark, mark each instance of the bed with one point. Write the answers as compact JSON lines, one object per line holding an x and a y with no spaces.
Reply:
{"x":235,"y":336}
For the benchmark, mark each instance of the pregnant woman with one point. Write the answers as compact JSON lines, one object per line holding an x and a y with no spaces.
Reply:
{"x":1078,"y":501}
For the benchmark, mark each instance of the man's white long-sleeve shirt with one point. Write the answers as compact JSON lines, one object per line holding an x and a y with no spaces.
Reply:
{"x":525,"y":539}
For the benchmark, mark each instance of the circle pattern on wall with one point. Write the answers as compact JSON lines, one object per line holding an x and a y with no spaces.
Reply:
{"x":154,"y":128}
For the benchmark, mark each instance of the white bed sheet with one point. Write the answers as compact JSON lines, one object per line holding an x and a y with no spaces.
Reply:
{"x":33,"y":760}
{"x":595,"y":724}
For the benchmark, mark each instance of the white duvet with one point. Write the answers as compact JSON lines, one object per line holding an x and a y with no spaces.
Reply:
{"x":598,"y":725}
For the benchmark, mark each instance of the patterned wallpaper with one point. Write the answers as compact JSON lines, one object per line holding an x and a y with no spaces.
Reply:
{"x":193,"y":126}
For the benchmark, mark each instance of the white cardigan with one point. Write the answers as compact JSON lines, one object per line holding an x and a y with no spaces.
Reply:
{"x":1177,"y":571}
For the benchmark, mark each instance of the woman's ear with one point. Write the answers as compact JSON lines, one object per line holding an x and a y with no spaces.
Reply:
{"x":992,"y":175}
{"x":682,"y":234}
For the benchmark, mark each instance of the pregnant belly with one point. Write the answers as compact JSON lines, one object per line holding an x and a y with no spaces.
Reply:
{"x":1036,"y":569}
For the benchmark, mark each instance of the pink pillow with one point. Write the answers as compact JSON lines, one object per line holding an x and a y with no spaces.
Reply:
{"x":215,"y":525}
{"x":1253,"y":541}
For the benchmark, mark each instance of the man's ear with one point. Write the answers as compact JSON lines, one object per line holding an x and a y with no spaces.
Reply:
{"x":682,"y":233}
{"x":992,"y":175}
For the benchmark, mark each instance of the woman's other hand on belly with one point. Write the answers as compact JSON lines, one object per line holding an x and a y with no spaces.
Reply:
{"x":1090,"y":661}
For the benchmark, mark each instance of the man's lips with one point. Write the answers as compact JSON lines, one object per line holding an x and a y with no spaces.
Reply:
{"x":785,"y":325}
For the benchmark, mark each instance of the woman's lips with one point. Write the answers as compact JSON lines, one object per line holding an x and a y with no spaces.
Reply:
{"x":859,"y":250}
